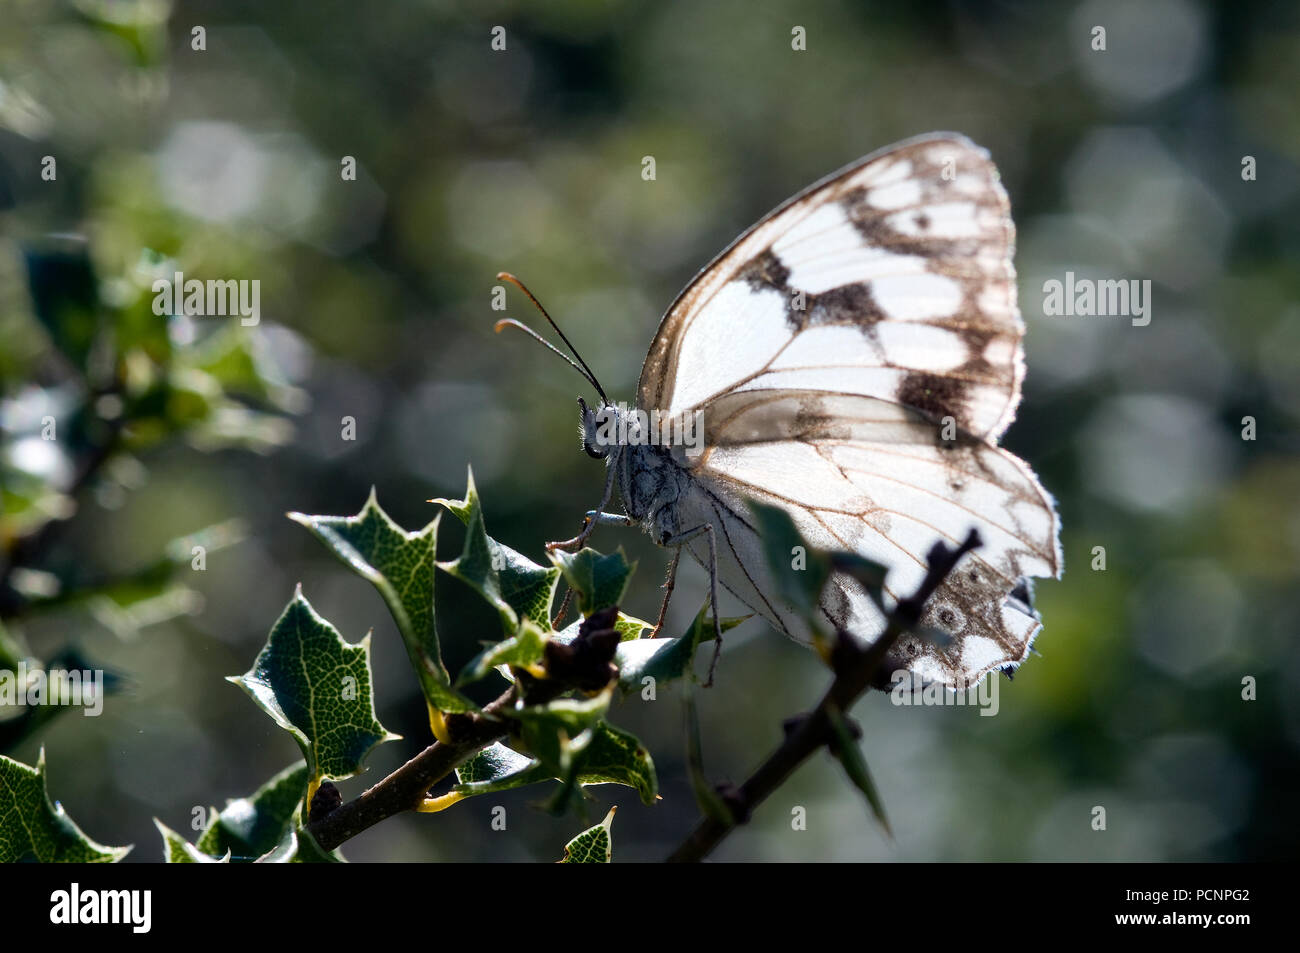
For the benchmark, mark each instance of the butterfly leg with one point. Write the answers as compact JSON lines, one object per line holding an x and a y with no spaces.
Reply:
{"x":593,"y":517}
{"x":610,"y":519}
{"x":677,"y":540}
{"x":668,"y":591}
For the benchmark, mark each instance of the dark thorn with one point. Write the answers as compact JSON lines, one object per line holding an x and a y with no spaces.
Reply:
{"x":586,"y":663}
{"x":324,"y":802}
{"x":792,"y":724}
{"x":735,"y":801}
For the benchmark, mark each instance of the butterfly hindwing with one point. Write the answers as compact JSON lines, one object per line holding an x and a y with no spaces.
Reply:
{"x":866,"y":476}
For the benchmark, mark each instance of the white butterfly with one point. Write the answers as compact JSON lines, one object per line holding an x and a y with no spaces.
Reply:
{"x":853,"y":358}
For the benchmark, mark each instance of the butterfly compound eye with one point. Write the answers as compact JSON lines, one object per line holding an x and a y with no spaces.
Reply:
{"x":587,"y":424}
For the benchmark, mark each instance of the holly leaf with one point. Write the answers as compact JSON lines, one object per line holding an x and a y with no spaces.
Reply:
{"x":549,"y":730}
{"x":848,"y":754}
{"x":177,"y":850}
{"x":34,"y":828}
{"x":513,"y":584}
{"x":615,"y":756}
{"x":309,"y":852}
{"x":595,"y":845}
{"x":298,"y":847}
{"x":799,"y":571}
{"x":599,"y":580}
{"x":528,"y":647}
{"x":495,"y":768}
{"x":65,"y":297}
{"x":524,"y":649}
{"x":249,"y":827}
{"x":666,"y":660}
{"x":400,"y":565}
{"x":576,"y":746}
{"x":284,"y":852}
{"x":609,"y":756}
{"x":318,"y":688}
{"x":492,"y":765}
{"x":628,"y":628}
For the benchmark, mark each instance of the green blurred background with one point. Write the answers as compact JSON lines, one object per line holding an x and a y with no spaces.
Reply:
{"x":375,"y":301}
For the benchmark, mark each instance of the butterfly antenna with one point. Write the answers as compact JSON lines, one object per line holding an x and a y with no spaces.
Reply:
{"x":584,"y":370}
{"x":512,"y":323}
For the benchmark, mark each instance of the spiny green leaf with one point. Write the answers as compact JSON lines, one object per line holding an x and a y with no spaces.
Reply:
{"x":318,"y":688}
{"x":599,"y":580}
{"x":563,"y":764}
{"x":558,"y":733}
{"x":310,"y":852}
{"x":491,"y":765}
{"x":400,"y":565}
{"x":524,"y":649}
{"x":615,"y":756}
{"x":284,"y":852}
{"x":514,"y":585}
{"x":65,"y":297}
{"x":251,"y":826}
{"x":848,"y":753}
{"x":595,"y":845}
{"x":33,"y":828}
{"x":499,"y":768}
{"x":177,"y":850}
{"x":298,"y":847}
{"x":628,"y":627}
{"x":799,"y":571}
{"x":563,"y":725}
{"x":666,"y":660}
{"x":610,"y":756}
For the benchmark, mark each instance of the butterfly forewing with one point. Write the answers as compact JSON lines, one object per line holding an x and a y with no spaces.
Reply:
{"x":890,"y":279}
{"x":855,"y":356}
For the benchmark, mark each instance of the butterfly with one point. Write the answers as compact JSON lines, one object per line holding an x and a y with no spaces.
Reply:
{"x":852,"y":358}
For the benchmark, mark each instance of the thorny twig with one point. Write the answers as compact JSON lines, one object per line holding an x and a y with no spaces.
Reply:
{"x":856,"y":669}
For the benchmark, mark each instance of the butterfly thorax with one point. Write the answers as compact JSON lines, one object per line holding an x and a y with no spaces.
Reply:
{"x":650,"y":482}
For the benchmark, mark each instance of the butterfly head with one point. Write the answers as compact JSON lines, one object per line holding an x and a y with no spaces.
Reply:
{"x":590,"y":423}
